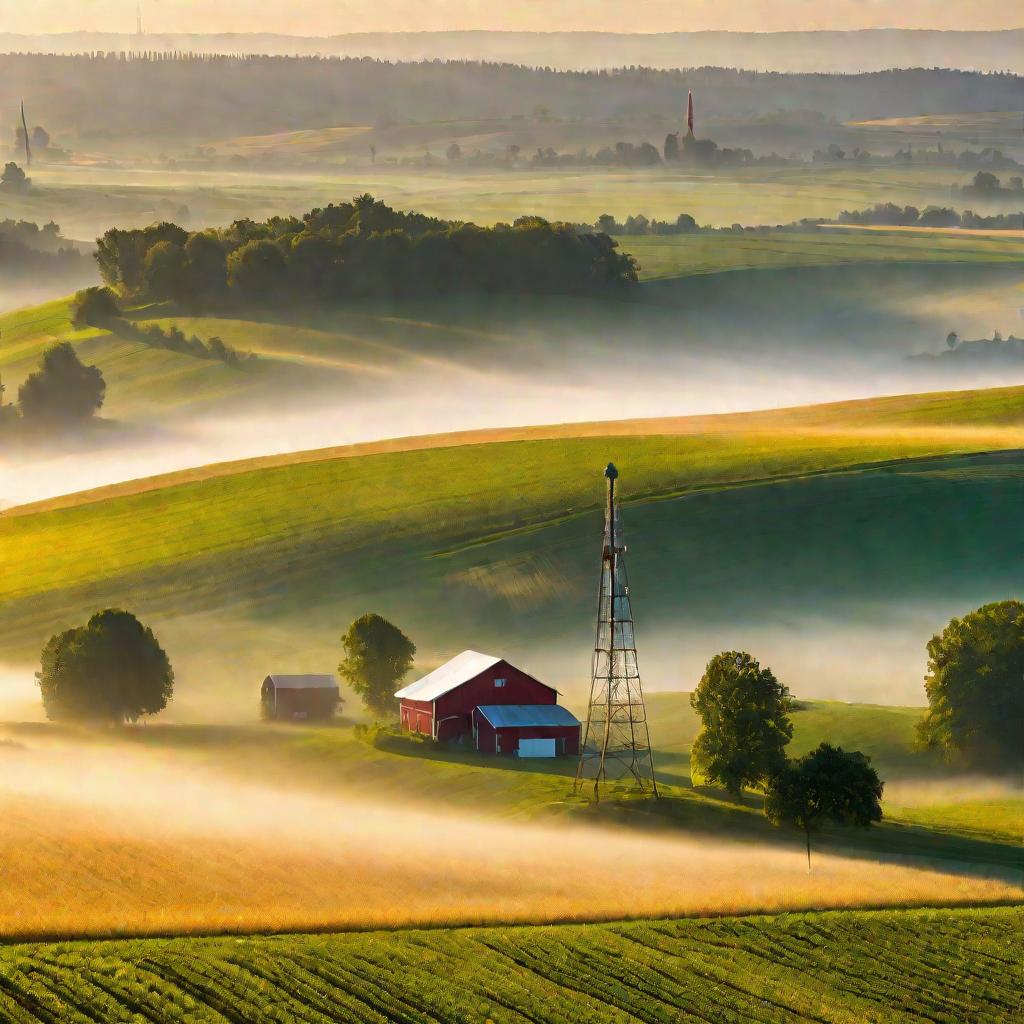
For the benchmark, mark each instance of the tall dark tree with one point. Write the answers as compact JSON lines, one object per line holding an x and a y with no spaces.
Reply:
{"x":975,"y":687}
{"x":207,"y":267}
{"x":744,"y":711}
{"x":111,"y":670}
{"x":63,"y":390}
{"x":377,"y":657}
{"x":256,"y":271}
{"x":165,"y":272}
{"x":827,"y":785}
{"x":121,"y":255}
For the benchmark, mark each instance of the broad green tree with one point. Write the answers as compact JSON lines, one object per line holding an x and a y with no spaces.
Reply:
{"x":95,"y":306}
{"x":256,"y":270}
{"x":744,"y":711}
{"x":207,"y":267}
{"x":63,"y":390}
{"x":975,"y":687}
{"x":378,"y":655}
{"x":165,"y":272}
{"x":111,"y":670}
{"x":827,"y":785}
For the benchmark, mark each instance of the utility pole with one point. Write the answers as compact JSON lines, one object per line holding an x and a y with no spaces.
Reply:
{"x":616,"y":741}
{"x":24,"y":128}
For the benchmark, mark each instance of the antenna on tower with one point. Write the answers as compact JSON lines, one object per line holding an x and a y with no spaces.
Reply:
{"x":24,"y":129}
{"x":616,"y":741}
{"x":138,"y":18}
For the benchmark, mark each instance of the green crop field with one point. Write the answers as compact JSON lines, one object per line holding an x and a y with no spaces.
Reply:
{"x":895,"y":966}
{"x":667,"y":256}
{"x":86,"y":200}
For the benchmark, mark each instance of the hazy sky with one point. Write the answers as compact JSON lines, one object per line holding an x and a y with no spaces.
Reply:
{"x":325,"y":17}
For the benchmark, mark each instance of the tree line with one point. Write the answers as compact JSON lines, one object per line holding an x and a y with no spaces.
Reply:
{"x":29,"y":252}
{"x":100,"y":307}
{"x":362,"y":249}
{"x":119,"y":94}
{"x":893,"y":215}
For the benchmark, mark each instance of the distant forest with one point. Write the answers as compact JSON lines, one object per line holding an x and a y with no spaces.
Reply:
{"x":811,"y":51}
{"x":30,"y":253}
{"x":211,"y":97}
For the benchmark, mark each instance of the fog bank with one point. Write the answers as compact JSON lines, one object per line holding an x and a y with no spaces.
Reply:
{"x":97,"y":839}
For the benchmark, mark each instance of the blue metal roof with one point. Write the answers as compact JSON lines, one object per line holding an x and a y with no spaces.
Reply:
{"x":502,"y":716}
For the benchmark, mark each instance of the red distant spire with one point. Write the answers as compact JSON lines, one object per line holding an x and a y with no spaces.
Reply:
{"x":689,"y":113}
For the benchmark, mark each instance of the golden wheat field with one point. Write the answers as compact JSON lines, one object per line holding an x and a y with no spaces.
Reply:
{"x":103,"y":841}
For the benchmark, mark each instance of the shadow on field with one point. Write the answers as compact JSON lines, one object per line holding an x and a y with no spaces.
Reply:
{"x":709,"y":810}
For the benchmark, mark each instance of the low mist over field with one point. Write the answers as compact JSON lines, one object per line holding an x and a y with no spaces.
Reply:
{"x":728,"y":342}
{"x":99,"y":840}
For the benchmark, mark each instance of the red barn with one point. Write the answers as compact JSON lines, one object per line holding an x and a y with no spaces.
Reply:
{"x":497,"y":707}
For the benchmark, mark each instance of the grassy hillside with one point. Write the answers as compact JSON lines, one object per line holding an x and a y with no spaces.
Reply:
{"x":860,"y":300}
{"x":666,"y":256}
{"x":141,"y":380}
{"x":739,"y":527}
{"x":897,"y":966}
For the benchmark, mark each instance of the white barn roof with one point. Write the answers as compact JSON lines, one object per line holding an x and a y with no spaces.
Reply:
{"x":307,"y":682}
{"x":463,"y":667}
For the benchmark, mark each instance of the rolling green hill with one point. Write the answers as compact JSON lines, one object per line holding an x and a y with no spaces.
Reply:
{"x":142,"y":382}
{"x":807,"y":531}
{"x":856,"y":299}
{"x":829,"y":968}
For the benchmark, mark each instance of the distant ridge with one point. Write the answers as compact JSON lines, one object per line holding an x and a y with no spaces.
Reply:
{"x":844,"y":52}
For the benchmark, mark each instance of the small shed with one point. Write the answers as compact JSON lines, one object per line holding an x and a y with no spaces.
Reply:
{"x":300,"y":698}
{"x":526,"y":730}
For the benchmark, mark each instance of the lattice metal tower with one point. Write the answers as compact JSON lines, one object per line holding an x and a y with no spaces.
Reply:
{"x":616,"y":741}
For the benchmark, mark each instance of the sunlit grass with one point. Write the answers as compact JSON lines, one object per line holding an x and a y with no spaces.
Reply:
{"x":667,"y":256}
{"x":104,"y":837}
{"x":87,"y":200}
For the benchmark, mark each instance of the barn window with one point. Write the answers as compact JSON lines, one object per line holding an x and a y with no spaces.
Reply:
{"x":499,"y":682}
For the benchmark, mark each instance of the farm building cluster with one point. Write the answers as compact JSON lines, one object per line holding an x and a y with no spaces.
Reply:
{"x":496,"y":708}
{"x":474,"y":699}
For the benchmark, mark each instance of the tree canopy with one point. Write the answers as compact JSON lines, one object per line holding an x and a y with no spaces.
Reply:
{"x":377,"y":657}
{"x":63,"y":390}
{"x":975,"y":686}
{"x":95,"y":306}
{"x":828,"y":784}
{"x":110,"y":670}
{"x":744,"y":712}
{"x":14,"y":179}
{"x":356,"y":250}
